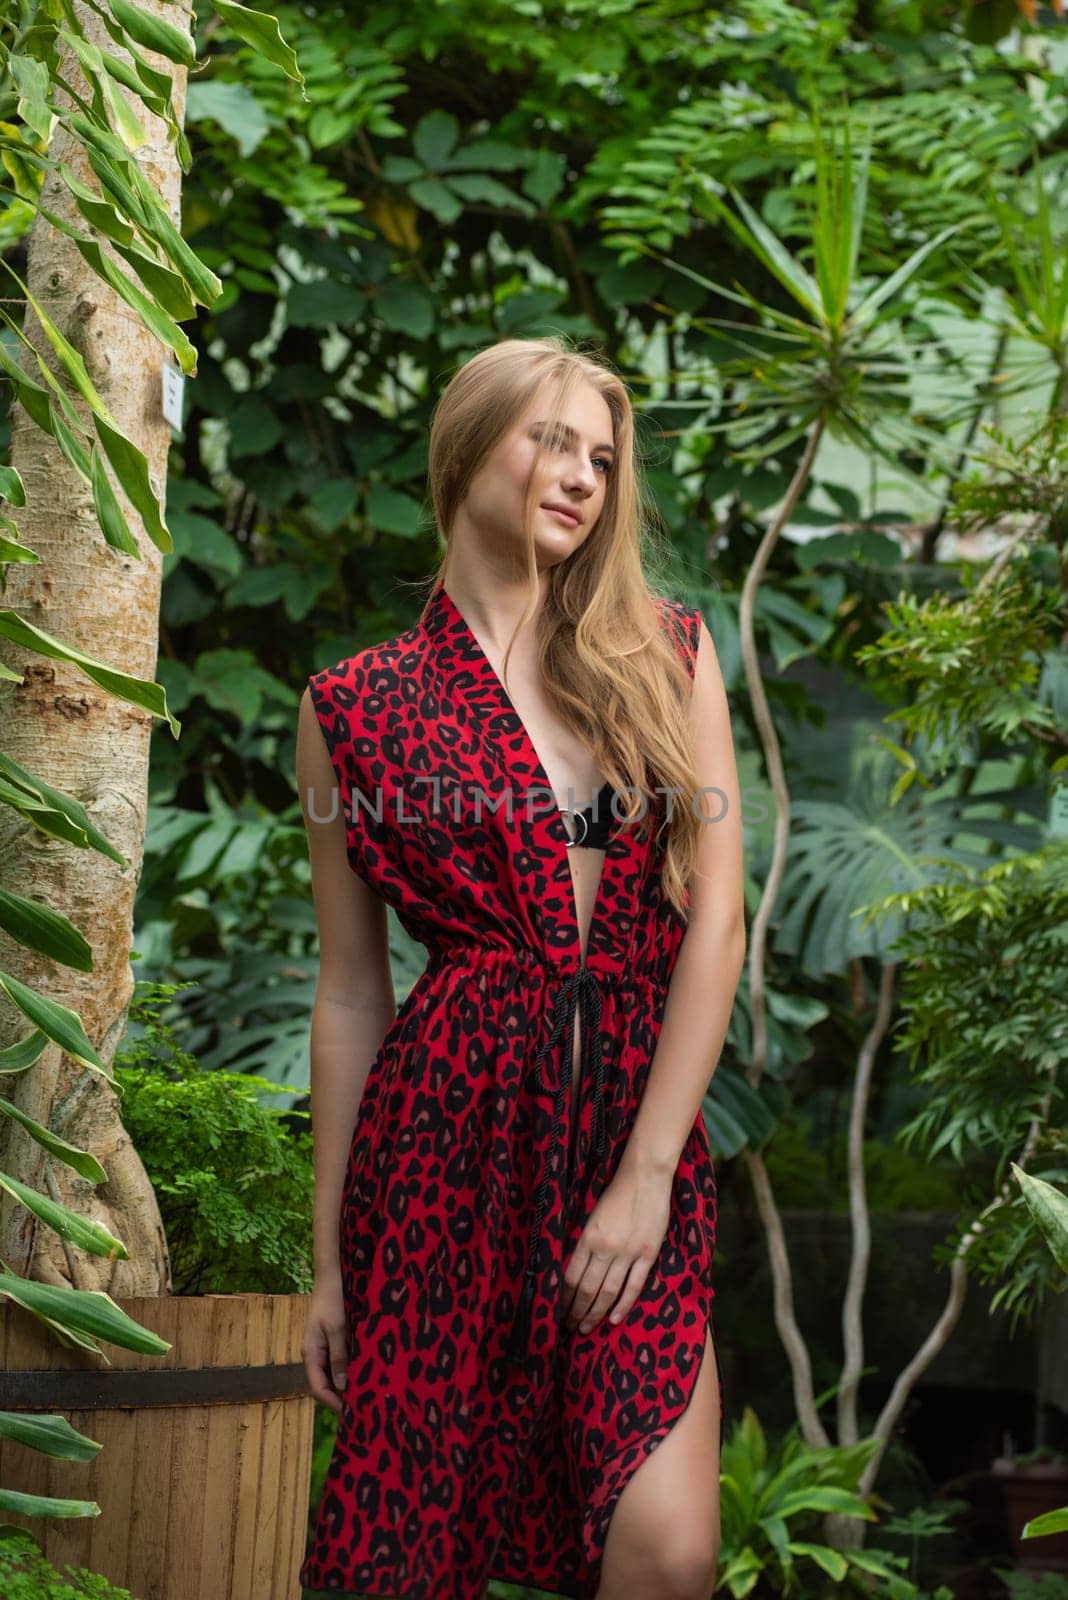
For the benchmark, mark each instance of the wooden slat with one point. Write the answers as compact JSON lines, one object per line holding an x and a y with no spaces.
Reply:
{"x":113,"y":1484}
{"x":248,"y":1468}
{"x":269,"y":1488}
{"x":69,"y":1540}
{"x":289,"y":1546}
{"x":189,"y":1488}
{"x":152,"y":1445}
{"x":21,"y":1468}
{"x":225,"y":1443}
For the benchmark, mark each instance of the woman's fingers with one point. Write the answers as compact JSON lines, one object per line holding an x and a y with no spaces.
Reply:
{"x":325,"y":1363}
{"x":596,"y":1291}
{"x":587,"y":1276}
{"x":639,"y":1272}
{"x":614,"y":1279}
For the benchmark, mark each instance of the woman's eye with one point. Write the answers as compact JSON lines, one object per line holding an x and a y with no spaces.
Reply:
{"x":558,"y":441}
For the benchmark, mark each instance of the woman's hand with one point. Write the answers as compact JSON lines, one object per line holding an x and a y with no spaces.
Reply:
{"x":617,"y":1247}
{"x":324,"y":1348}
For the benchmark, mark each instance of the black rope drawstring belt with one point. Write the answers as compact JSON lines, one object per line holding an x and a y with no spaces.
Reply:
{"x":579,"y":991}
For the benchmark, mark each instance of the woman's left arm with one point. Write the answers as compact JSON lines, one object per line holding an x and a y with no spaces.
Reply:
{"x":709,"y":963}
{"x":623,"y":1236}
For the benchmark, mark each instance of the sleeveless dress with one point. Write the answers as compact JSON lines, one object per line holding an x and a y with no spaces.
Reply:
{"x":479,"y":1437}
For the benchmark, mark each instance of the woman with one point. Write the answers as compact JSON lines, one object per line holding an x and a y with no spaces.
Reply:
{"x":515,"y":1199}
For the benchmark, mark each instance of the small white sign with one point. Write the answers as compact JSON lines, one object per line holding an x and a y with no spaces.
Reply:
{"x":1058,"y":810}
{"x":173,"y":396}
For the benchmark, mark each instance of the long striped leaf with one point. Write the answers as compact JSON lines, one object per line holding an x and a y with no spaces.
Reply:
{"x":49,"y":1435}
{"x":154,"y":33}
{"x":52,"y":811}
{"x":109,"y":514}
{"x":24,"y":1052}
{"x":63,"y":1026}
{"x":1049,"y":1207}
{"x":88,"y":1311}
{"x":38,"y":927}
{"x":82,"y":1232}
{"x":140,"y":692}
{"x":263,"y":34}
{"x":43,"y":1505}
{"x":83,"y":1161}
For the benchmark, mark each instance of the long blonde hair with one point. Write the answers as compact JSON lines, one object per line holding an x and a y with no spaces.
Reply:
{"x":608,"y":669}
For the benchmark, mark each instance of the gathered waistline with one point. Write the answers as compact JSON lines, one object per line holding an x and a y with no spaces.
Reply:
{"x":526,"y":957}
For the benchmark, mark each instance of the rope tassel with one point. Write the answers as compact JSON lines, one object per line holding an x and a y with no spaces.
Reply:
{"x":579,"y":989}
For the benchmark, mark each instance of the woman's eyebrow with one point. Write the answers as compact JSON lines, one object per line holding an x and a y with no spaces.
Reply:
{"x":568,"y":431}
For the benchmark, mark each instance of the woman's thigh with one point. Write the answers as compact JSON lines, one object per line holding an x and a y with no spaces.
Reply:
{"x":663,"y":1536}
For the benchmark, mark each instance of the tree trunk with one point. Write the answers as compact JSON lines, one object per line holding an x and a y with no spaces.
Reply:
{"x":80,"y":739}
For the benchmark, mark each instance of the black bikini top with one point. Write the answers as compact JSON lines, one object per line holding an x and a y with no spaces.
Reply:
{"x":592,"y":827}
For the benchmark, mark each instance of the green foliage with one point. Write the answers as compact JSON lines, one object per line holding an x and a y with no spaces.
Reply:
{"x":833,"y":357}
{"x":924,"y":1522}
{"x":984,"y":997}
{"x":25,"y":1574}
{"x":975,"y":663}
{"x":1022,"y":477}
{"x":1023,"y":1585}
{"x":234,"y":1180}
{"x":805,"y":1170}
{"x":773,"y":1501}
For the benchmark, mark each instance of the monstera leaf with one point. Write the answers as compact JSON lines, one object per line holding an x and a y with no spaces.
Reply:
{"x":847,"y":854}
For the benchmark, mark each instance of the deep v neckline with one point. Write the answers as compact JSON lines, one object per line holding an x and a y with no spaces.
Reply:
{"x":443,"y":611}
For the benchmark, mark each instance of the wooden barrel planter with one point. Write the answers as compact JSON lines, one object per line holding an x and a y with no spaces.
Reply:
{"x":203,"y":1477}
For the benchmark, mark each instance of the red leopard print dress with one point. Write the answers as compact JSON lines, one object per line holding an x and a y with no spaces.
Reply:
{"x":479,"y":1437}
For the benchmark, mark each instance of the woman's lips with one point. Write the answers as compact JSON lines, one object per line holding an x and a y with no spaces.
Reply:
{"x":565,"y":516}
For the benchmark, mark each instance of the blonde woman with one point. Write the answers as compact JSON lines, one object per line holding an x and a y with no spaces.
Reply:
{"x":515,"y":1198}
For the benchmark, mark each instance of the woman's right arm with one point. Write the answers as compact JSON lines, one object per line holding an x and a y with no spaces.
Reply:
{"x":353,"y":1009}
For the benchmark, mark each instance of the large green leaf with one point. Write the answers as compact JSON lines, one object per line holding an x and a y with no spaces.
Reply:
{"x":263,"y":34}
{"x":735,"y":1115}
{"x":832,"y":1561}
{"x":24,"y":1052}
{"x":43,"y":1505}
{"x":12,"y":488}
{"x":82,"y":1311}
{"x":1047,"y":1522}
{"x":137,"y":691}
{"x":82,"y":1232}
{"x":37,"y":927}
{"x":434,"y":138}
{"x":846,"y":855}
{"x":63,"y":1026}
{"x":155,"y":33}
{"x":825,"y":1497}
{"x":52,"y":811}
{"x":49,"y":1435}
{"x":1049,"y":1207}
{"x":83,"y":1161}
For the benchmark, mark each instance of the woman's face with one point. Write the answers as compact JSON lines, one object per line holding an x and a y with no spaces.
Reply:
{"x":573,"y":475}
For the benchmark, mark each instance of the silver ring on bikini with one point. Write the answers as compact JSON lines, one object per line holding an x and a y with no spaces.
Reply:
{"x":581,"y":815}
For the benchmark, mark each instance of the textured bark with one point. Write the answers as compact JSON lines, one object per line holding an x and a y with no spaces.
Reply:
{"x":78,"y":738}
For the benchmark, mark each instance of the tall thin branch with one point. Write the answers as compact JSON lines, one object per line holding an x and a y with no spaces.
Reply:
{"x":769,"y":740}
{"x":852,"y":1300}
